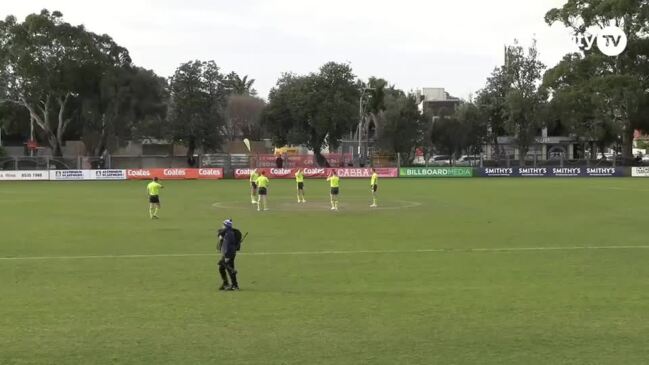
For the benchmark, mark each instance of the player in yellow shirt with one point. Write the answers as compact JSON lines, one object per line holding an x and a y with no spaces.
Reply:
{"x":374,"y":185}
{"x":299,"y":179}
{"x":153,"y":191}
{"x":254,"y":197}
{"x":334,"y":183}
{"x":262,"y":183}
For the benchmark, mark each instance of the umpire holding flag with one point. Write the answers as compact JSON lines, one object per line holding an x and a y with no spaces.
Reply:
{"x":229,"y":244}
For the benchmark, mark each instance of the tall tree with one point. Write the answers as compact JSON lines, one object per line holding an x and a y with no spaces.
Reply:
{"x":448,"y":136}
{"x":475,"y":127}
{"x":196,"y":108}
{"x":400,"y":125}
{"x":578,"y":104}
{"x":44,"y":63}
{"x":524,"y":100}
{"x":491,"y":103}
{"x":124,"y":104}
{"x":314,"y":110}
{"x":618,"y":84}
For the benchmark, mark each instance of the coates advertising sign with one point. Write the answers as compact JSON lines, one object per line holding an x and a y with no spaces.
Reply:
{"x":210,"y":174}
{"x":429,"y":172}
{"x":309,"y":173}
{"x":640,"y":172}
{"x":550,"y":172}
{"x":314,"y":173}
{"x":69,"y":175}
{"x":107,"y":174}
{"x":175,"y":174}
{"x":24,"y":175}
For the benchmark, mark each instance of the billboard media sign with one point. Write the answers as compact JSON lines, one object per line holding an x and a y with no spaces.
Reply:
{"x":551,"y":172}
{"x":430,"y":172}
{"x":24,"y":175}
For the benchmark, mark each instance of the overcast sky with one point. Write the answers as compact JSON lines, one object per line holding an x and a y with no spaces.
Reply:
{"x":411,"y":43}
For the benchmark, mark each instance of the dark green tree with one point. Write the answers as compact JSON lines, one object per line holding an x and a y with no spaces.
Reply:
{"x":314,"y":110}
{"x":524,"y":106}
{"x":491,"y":103}
{"x":577,"y":104}
{"x":196,"y":108}
{"x":400,"y":125}
{"x":475,"y":126}
{"x":124,"y":104}
{"x":617,"y":84}
{"x":448,"y":136}
{"x":45,"y":64}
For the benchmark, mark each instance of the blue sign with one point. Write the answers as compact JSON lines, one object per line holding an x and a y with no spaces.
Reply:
{"x":551,"y":172}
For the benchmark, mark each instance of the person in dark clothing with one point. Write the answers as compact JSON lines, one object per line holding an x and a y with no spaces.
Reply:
{"x":279,"y":162}
{"x":228,"y":246}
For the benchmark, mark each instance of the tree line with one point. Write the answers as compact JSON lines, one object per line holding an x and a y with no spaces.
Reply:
{"x":75,"y":84}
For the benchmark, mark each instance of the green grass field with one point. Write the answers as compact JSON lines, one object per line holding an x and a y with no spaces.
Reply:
{"x":476,"y":271}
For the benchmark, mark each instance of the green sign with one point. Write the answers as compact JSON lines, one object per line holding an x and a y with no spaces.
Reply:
{"x":436,"y":172}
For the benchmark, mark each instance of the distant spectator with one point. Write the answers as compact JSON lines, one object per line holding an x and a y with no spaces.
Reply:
{"x":279,"y":162}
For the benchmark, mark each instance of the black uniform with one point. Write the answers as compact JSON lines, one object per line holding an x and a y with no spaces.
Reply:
{"x":228,"y":246}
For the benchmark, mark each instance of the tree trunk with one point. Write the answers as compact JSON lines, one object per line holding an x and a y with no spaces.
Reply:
{"x":627,"y":144}
{"x":522,"y":153}
{"x":191,"y":149}
{"x":320,"y":160}
{"x":497,"y":149}
{"x":62,"y":124}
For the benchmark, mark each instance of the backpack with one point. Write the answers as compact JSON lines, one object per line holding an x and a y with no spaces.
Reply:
{"x":237,"y":238}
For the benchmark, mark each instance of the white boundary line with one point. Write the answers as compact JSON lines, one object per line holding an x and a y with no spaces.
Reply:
{"x":351,"y":252}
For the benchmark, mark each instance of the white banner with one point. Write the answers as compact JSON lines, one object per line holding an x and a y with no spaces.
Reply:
{"x":24,"y":175}
{"x":106,"y":174}
{"x":640,"y":171}
{"x":69,"y":175}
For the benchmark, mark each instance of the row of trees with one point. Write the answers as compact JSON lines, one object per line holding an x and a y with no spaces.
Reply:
{"x":599,"y":99}
{"x":72,"y":83}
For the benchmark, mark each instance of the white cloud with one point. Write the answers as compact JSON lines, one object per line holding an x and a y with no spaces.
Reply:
{"x":412,"y":43}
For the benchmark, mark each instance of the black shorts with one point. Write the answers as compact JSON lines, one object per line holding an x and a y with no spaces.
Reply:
{"x":263,"y":191}
{"x":253,"y":186}
{"x":300,"y":186}
{"x":375,"y":188}
{"x":335,"y":191}
{"x":154,"y":199}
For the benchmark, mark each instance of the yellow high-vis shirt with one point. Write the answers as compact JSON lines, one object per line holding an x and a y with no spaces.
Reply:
{"x":375,"y":179}
{"x":263,"y":181}
{"x":153,"y":188}
{"x":254,"y":176}
{"x":299,"y":177}
{"x":334,"y":181}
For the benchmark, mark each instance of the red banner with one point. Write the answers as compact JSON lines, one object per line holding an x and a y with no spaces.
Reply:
{"x":365,"y":172}
{"x":334,"y":159}
{"x":319,"y":173}
{"x":175,"y":174}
